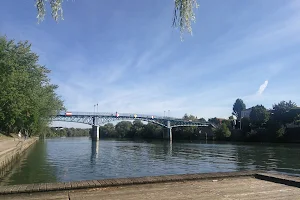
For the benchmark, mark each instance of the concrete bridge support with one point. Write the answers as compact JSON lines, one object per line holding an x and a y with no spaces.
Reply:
{"x":168,"y":134}
{"x":95,"y":133}
{"x":95,"y":129}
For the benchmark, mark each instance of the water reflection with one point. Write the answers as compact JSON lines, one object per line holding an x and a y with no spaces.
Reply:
{"x":95,"y":152}
{"x":73,"y":159}
{"x":33,"y":167}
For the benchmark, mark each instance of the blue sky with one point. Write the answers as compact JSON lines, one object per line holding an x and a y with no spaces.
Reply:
{"x":125,"y":56}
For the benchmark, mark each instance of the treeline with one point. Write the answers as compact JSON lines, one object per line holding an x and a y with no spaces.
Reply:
{"x":66,"y":132}
{"x":27,"y":98}
{"x":137,"y":129}
{"x":278,"y":124}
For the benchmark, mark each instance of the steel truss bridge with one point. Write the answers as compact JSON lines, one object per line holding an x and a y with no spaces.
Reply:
{"x":97,"y":119}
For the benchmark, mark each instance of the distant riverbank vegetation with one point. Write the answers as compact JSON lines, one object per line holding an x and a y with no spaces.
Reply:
{"x":27,"y":98}
{"x":281,"y":123}
{"x":66,"y":132}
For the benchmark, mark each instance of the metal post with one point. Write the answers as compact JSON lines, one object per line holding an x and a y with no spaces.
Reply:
{"x":97,"y":107}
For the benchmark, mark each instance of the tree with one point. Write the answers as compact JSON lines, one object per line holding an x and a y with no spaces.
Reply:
{"x":189,"y":117}
{"x":183,"y":13}
{"x":238,"y":106}
{"x":284,"y":112}
{"x":108,"y":130}
{"x":123,"y":128}
{"x":259,"y":115}
{"x":137,"y":128}
{"x":222,"y":132}
{"x":27,"y":98}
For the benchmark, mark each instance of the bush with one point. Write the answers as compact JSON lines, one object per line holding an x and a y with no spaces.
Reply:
{"x":222,"y":133}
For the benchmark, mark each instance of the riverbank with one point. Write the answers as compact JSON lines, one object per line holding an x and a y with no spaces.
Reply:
{"x":10,"y":150}
{"x":232,"y":185}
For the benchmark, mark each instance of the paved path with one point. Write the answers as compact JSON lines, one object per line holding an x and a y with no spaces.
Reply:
{"x":9,"y":144}
{"x":242,"y":188}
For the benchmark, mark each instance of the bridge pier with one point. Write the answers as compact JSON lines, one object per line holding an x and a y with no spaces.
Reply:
{"x":168,"y":134}
{"x":95,"y":133}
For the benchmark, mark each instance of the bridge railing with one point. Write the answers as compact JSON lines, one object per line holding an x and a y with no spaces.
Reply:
{"x":129,"y":115}
{"x":114,"y":114}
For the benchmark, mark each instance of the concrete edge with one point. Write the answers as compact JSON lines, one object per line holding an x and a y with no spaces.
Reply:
{"x":46,"y":187}
{"x":279,"y":178}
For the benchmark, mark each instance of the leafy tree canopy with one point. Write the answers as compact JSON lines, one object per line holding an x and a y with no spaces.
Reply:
{"x":285,"y":112}
{"x":238,"y":106}
{"x":27,"y":98}
{"x":259,"y":115}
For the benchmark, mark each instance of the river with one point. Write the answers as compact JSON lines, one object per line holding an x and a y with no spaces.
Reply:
{"x":73,"y":159}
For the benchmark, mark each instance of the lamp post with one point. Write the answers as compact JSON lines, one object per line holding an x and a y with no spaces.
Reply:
{"x":164,"y":114}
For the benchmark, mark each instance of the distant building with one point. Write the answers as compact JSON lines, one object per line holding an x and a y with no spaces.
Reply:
{"x":246,"y":113}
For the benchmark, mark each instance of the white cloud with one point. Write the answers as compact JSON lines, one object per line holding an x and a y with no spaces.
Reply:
{"x":262,"y":87}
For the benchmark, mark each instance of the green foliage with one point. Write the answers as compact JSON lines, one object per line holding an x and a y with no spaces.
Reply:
{"x":123,"y":129}
{"x":222,"y":132}
{"x":108,"y":130}
{"x":66,"y":132}
{"x":259,"y":116}
{"x":284,"y":112}
{"x":189,"y":117}
{"x":238,"y":106}
{"x":183,"y":13}
{"x":246,"y":125}
{"x":137,"y":129}
{"x":27,"y":98}
{"x":227,"y":123}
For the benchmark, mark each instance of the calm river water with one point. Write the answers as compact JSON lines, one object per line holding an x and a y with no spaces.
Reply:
{"x":73,"y":159}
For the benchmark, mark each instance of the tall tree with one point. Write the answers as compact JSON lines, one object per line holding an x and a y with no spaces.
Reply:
{"x":238,"y":106}
{"x":259,"y":115}
{"x":183,"y":12}
{"x":27,"y":98}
